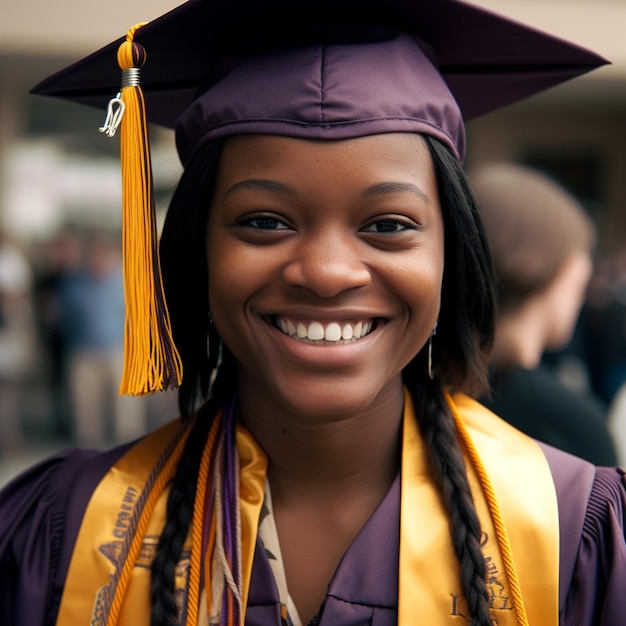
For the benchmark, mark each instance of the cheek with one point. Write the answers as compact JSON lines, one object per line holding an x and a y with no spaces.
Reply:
{"x":229,"y":276}
{"x":419,"y":287}
{"x":222,"y":267}
{"x":423,"y":274}
{"x":236,"y":273}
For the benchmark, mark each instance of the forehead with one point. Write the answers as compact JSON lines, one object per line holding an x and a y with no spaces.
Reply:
{"x":384,"y":156}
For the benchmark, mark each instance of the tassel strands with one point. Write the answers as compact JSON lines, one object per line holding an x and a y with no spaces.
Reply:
{"x":151,"y":361}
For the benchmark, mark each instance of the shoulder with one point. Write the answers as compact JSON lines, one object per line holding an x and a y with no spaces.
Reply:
{"x":580,"y":483}
{"x":44,"y":487}
{"x":540,"y":389}
{"x":40,"y":513}
{"x":538,"y":404}
{"x":592,"y":506}
{"x":590,"y":497}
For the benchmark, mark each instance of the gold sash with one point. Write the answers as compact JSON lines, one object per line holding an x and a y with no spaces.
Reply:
{"x":429,"y":588}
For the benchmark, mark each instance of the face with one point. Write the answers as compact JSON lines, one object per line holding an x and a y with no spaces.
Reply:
{"x":565,"y":297}
{"x":325,"y":267}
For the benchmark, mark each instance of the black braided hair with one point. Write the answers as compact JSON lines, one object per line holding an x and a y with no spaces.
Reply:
{"x":448,"y":470}
{"x":460,"y":352}
{"x":179,"y":515}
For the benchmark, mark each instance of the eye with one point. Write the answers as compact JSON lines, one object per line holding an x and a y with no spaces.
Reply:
{"x":263,"y":222}
{"x":390,"y":225}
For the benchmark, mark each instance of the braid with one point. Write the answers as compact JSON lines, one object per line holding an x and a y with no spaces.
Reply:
{"x":448,"y":468}
{"x":461,"y":351}
{"x":179,"y":515}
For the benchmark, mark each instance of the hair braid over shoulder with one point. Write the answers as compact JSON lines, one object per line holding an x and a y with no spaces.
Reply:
{"x":180,"y":505}
{"x":448,"y":470}
{"x":461,"y":353}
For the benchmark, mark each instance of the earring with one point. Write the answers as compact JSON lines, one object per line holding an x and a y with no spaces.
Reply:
{"x":220,"y":353}
{"x":431,"y":375}
{"x":208,"y":336}
{"x":216,"y":370}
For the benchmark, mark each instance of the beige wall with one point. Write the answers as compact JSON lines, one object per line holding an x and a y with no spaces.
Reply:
{"x":70,"y":27}
{"x":595,"y":24}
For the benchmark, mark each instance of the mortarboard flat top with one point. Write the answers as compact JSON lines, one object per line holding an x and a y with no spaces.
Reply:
{"x":487,"y":61}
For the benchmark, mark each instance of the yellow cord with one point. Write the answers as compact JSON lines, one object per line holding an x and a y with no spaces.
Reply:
{"x":195,"y":567}
{"x":163,"y":479}
{"x":494,"y":509}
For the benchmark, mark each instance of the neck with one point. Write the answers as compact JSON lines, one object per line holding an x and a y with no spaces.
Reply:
{"x":317,"y":457}
{"x":520,"y":338}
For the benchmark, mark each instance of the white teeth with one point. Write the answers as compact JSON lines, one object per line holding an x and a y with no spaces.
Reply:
{"x":332,"y":333}
{"x":316,"y":331}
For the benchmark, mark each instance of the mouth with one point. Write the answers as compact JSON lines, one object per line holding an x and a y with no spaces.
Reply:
{"x":324,"y":333}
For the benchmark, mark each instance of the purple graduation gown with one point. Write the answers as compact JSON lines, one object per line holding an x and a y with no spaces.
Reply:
{"x":41,"y":511}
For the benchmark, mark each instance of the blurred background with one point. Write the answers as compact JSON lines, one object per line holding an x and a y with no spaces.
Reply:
{"x":60,"y":216}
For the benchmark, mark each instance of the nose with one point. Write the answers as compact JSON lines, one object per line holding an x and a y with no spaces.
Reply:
{"x":327,"y":265}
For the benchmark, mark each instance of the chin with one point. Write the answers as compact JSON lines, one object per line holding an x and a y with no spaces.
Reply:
{"x":335,"y":400}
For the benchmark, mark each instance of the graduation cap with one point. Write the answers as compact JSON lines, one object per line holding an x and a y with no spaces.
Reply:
{"x":344,"y":68}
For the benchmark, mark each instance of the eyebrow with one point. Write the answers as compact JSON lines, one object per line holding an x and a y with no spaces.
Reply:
{"x":380,"y":189}
{"x":259,"y":183}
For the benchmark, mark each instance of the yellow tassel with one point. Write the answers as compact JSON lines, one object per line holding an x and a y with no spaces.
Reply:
{"x":151,"y":361}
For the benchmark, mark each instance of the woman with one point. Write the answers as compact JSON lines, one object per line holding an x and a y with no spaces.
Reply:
{"x":329,"y":468}
{"x":541,"y":243}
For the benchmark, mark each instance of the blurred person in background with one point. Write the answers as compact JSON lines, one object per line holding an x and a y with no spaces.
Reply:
{"x":616,"y":420}
{"x":603,"y":326}
{"x":92,"y":311}
{"x":63,"y":257}
{"x":17,"y":341}
{"x":606,"y":331}
{"x":542,"y":243}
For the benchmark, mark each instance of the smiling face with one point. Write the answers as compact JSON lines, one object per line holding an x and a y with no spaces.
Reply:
{"x":325,"y":267}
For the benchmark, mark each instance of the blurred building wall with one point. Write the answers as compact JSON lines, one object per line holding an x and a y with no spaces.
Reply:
{"x":577,"y":131}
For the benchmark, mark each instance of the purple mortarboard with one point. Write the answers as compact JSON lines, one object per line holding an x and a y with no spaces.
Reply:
{"x":334,"y":70}
{"x":271,"y":67}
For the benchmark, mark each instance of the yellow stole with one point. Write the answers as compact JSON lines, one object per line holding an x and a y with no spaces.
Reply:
{"x":429,"y":589}
{"x":520,"y":478}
